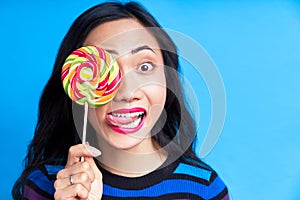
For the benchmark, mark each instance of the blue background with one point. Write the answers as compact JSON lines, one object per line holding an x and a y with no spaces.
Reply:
{"x":255,"y":45}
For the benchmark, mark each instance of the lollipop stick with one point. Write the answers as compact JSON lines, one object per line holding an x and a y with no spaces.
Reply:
{"x":84,"y":122}
{"x":84,"y":126}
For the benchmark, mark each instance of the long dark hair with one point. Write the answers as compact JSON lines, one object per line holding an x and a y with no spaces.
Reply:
{"x":55,"y":130}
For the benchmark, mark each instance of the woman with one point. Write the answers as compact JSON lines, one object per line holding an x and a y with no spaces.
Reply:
{"x":145,"y":133}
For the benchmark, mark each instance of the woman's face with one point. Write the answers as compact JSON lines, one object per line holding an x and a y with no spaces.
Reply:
{"x":126,"y":121}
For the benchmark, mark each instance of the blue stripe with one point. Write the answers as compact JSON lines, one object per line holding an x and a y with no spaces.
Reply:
{"x":169,"y":187}
{"x":40,"y":180}
{"x":216,"y":187}
{"x":193,"y":171}
{"x":53,"y":169}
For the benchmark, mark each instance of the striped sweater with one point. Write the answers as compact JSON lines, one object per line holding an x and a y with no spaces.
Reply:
{"x":180,"y":180}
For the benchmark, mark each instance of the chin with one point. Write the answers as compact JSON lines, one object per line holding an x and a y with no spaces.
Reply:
{"x":124,"y":141}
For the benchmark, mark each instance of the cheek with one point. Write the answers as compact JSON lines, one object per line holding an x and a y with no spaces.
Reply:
{"x":96,"y":116}
{"x":156,"y":90}
{"x":154,"y":87}
{"x":156,"y":96}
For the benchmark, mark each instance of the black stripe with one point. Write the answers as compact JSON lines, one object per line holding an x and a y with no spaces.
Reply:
{"x":190,"y":178}
{"x":43,"y":170}
{"x":213,"y":176}
{"x":163,"y":197}
{"x":138,"y":183}
{"x":196,"y":163}
{"x":179,"y":196}
{"x":52,"y":177}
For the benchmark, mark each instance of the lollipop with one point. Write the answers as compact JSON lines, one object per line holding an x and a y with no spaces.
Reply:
{"x":91,"y":77}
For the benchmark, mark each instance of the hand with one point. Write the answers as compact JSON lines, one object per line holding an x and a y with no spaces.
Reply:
{"x":86,"y":177}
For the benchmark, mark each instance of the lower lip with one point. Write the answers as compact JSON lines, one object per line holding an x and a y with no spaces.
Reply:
{"x":128,"y":130}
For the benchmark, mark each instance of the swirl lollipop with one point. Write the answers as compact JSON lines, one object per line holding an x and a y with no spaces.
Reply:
{"x":91,"y":77}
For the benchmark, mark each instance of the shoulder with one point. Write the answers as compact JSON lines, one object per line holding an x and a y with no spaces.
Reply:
{"x":202,"y":177}
{"x":39,"y":183}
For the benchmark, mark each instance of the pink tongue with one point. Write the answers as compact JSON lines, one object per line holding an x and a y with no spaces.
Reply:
{"x":116,"y":121}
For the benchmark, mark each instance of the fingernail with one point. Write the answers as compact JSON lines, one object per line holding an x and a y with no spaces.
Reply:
{"x":93,"y":151}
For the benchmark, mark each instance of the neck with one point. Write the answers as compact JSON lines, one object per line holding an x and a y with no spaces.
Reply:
{"x":129,"y":163}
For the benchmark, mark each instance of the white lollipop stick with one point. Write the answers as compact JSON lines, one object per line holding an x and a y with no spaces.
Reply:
{"x":85,"y":122}
{"x":84,"y":126}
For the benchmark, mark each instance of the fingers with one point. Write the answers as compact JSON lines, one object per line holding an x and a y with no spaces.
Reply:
{"x":84,"y":174}
{"x":73,"y":192}
{"x":80,"y":167}
{"x":80,"y":150}
{"x":81,"y":179}
{"x":81,"y":173}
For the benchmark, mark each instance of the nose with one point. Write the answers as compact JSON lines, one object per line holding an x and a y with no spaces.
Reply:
{"x":129,"y":90}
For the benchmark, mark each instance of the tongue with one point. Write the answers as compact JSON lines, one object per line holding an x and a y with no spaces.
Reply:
{"x":117,"y":121}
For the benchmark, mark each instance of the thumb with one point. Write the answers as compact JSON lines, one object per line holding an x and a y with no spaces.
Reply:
{"x":92,"y":150}
{"x":97,"y":184}
{"x":97,"y":172}
{"x":95,"y":153}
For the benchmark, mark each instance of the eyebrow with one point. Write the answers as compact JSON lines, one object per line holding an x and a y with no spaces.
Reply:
{"x":141,"y":48}
{"x":133,"y":51}
{"x":112,"y":51}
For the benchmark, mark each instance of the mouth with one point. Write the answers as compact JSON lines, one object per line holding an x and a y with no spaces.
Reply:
{"x":126,"y":121}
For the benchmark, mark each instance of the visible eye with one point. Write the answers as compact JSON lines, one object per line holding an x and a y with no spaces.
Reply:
{"x":146,"y":67}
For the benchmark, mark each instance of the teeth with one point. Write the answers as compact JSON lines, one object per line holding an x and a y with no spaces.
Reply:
{"x":134,"y":114}
{"x":134,"y":124}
